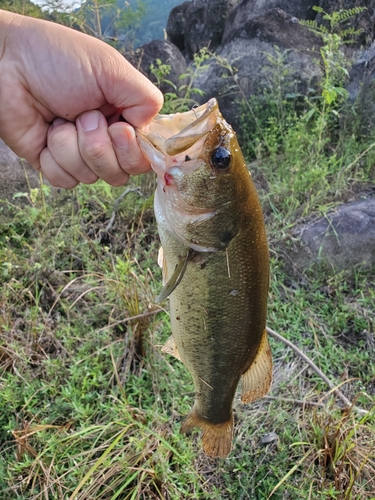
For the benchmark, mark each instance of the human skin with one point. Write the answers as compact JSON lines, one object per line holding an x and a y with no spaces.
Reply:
{"x":61,"y":95}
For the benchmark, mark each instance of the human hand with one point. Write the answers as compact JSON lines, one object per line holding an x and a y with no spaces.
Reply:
{"x":61,"y":96}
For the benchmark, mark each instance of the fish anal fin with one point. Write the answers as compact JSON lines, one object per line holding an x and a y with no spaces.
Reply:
{"x":170,"y":348}
{"x":176,"y":277}
{"x":256,"y":381}
{"x":216,"y":438}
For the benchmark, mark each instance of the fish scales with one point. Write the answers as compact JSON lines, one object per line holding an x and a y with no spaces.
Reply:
{"x":215,"y":267}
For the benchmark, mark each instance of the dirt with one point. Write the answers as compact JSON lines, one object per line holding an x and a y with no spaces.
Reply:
{"x":14,"y":173}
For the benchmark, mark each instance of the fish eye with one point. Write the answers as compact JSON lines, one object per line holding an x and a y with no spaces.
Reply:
{"x":220,"y":158}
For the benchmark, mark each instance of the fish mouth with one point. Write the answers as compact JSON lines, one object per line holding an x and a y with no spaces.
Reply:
{"x":171,"y":135}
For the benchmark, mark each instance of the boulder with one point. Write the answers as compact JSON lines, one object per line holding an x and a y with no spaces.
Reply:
{"x":197,"y":24}
{"x":168,"y":54}
{"x":176,"y":25}
{"x":16,"y":174}
{"x":342,"y":239}
{"x":248,"y":51}
{"x":250,"y":9}
{"x":361,"y":88}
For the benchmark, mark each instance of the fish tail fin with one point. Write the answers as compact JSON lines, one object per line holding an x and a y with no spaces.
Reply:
{"x":216,"y":439}
{"x":256,"y":381}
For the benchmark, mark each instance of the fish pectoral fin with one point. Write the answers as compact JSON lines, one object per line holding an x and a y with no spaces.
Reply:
{"x":176,"y":277}
{"x":170,"y":348}
{"x":216,"y":438}
{"x":256,"y":381}
{"x":162,"y":262}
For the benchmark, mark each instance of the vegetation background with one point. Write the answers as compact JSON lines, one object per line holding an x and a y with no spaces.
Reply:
{"x":90,"y":409}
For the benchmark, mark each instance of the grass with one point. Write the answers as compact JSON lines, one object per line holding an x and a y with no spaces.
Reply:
{"x":90,"y":407}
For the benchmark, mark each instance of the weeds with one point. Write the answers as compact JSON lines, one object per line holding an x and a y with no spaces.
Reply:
{"x":181,"y":100}
{"x":303,"y":149}
{"x":83,"y":416}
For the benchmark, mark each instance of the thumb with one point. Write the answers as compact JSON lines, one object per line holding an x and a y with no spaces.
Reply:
{"x":127,"y":89}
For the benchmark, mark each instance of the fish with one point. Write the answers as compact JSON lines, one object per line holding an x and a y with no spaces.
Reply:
{"x":215,"y":264}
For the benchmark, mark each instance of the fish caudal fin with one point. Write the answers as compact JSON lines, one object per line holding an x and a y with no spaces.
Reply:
{"x":256,"y":381}
{"x":216,"y":439}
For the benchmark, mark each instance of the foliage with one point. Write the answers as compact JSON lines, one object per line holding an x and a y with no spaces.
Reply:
{"x":124,"y":24}
{"x":307,"y":140}
{"x":334,"y":24}
{"x":86,"y":415}
{"x":154,"y":21}
{"x":182,"y":98}
{"x":114,"y":22}
{"x":24,"y":7}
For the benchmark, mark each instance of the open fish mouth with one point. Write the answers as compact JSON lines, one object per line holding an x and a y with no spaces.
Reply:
{"x":171,"y":135}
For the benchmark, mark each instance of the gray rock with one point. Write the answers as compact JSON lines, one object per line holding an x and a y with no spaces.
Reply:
{"x":168,"y":54}
{"x":342,"y":239}
{"x":361,"y":88}
{"x":248,"y":51}
{"x":197,"y":24}
{"x":250,"y":9}
{"x":176,"y":25}
{"x":15,"y":174}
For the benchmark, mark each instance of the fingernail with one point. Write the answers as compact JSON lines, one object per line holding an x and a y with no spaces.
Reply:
{"x":120,"y":140}
{"x":89,"y":121}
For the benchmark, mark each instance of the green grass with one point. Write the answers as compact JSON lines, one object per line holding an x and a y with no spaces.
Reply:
{"x":91,"y":409}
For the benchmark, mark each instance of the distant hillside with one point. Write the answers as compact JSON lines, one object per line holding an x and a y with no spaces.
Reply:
{"x":155,"y":19}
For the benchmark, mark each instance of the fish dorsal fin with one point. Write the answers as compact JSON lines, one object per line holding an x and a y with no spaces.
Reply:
{"x":170,"y":348}
{"x":256,"y":381}
{"x":176,"y":277}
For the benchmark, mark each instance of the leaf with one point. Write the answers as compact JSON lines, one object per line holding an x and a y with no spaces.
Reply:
{"x":329,"y":95}
{"x":309,"y":114}
{"x":21,"y":195}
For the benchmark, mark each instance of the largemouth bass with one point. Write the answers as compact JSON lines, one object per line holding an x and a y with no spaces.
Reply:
{"x":215,"y":265}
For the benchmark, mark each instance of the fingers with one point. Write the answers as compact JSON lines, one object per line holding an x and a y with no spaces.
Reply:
{"x":56,"y":175}
{"x":88,"y":150}
{"x":127,"y":150}
{"x":96,"y":148}
{"x":63,"y":150}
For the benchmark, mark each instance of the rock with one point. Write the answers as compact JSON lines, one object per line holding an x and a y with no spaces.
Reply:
{"x":197,"y":24}
{"x":343,"y":238}
{"x":176,"y":25}
{"x":13,"y":175}
{"x":168,"y":54}
{"x":361,"y":88}
{"x":275,"y":26}
{"x":247,"y":10}
{"x":248,"y":50}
